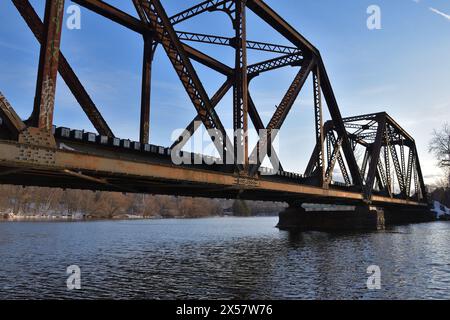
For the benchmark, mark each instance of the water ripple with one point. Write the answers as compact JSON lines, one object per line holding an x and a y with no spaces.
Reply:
{"x":220,"y":259}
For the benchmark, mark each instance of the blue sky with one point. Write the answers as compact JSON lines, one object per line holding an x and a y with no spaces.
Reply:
{"x":402,"y":69}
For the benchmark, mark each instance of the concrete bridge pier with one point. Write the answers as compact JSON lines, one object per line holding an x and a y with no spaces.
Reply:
{"x":399,"y":216}
{"x":363,"y":217}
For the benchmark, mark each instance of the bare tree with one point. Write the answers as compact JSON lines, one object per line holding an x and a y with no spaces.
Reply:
{"x":440,"y":147}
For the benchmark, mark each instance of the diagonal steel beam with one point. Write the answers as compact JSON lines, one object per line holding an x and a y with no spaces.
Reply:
{"x":164,"y":32}
{"x":65,"y":70}
{"x":10,"y":117}
{"x":261,"y":9}
{"x":259,"y":125}
{"x":397,"y":166}
{"x":381,"y":176}
{"x":200,"y":8}
{"x":196,"y":123}
{"x":252,"y":111}
{"x":260,"y":151}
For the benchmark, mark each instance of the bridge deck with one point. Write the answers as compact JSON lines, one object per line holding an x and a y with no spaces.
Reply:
{"x":82,"y":165}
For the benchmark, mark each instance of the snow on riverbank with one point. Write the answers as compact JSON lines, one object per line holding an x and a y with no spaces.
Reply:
{"x":442,"y":212}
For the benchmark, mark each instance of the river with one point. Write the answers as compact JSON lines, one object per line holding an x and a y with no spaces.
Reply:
{"x":220,"y":258}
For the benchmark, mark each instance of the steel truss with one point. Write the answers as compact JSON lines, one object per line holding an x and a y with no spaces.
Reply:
{"x":384,"y":143}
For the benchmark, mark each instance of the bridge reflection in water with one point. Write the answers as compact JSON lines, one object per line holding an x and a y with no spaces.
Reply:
{"x":35,"y":152}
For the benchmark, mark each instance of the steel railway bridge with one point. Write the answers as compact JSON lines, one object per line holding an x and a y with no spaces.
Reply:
{"x":34,"y":152}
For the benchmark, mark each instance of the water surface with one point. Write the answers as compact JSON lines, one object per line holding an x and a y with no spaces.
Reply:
{"x":220,"y":258}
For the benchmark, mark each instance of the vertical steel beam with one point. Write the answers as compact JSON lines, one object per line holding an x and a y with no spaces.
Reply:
{"x":240,"y":92}
{"x":44,"y":102}
{"x":416,"y":181}
{"x":318,"y":113}
{"x":144,"y":134}
{"x":387,"y":164}
{"x":409,"y":172}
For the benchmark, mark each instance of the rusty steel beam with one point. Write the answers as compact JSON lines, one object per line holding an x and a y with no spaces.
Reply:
{"x":118,"y":168}
{"x":387,"y":165}
{"x":205,"y":6}
{"x":240,"y":87}
{"x":318,"y":115}
{"x":149,"y":51}
{"x":144,"y":132}
{"x":226,"y":41}
{"x":273,"y":64}
{"x":44,"y":102}
{"x":409,"y":171}
{"x":398,"y":169}
{"x":10,"y":117}
{"x":65,"y":70}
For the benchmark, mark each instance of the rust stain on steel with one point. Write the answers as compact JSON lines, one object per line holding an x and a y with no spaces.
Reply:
{"x":10,"y":114}
{"x":48,"y":66}
{"x":10,"y":156}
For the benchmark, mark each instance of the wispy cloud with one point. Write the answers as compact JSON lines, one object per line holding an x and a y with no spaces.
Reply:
{"x":11,"y":46}
{"x":446,"y":16}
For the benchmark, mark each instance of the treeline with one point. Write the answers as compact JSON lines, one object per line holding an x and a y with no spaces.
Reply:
{"x":442,"y":195}
{"x":107,"y":205}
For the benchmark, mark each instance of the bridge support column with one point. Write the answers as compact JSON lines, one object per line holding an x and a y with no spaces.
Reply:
{"x":363,"y":217}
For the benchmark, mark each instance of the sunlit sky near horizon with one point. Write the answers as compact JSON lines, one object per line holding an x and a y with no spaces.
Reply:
{"x":403,"y":69}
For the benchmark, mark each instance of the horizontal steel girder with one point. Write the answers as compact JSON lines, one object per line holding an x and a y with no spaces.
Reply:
{"x":119,"y":168}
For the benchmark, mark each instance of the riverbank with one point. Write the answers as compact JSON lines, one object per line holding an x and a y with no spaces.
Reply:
{"x":49,"y":218}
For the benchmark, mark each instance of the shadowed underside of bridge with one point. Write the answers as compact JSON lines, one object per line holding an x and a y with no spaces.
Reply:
{"x":34,"y":152}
